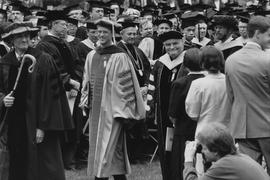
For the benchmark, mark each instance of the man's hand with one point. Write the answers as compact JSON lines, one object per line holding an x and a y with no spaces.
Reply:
{"x":75,"y":84}
{"x":190,"y":151}
{"x":8,"y":100}
{"x":72,"y":93}
{"x":144,"y":92}
{"x":39,"y":135}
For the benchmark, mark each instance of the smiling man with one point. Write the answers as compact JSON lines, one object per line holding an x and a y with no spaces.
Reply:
{"x":111,"y":89}
{"x":163,"y":74}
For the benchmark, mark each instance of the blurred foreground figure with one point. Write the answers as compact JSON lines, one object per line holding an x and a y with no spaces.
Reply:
{"x":218,"y":147}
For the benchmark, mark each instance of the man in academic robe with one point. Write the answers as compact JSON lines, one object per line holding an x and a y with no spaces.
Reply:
{"x":87,"y":45}
{"x":153,"y":46}
{"x":163,"y":74}
{"x":111,"y":90}
{"x":138,"y":132}
{"x":200,"y":32}
{"x":60,"y":50}
{"x":225,"y":25}
{"x":188,"y":29}
{"x":35,"y":112}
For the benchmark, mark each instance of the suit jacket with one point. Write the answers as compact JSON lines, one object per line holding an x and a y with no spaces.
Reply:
{"x":248,"y":88}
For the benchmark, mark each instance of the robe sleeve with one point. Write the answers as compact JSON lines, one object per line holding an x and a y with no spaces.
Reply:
{"x":146,"y":66}
{"x":53,"y":51}
{"x":126,"y":97}
{"x":53,"y":109}
{"x":193,"y":102}
{"x":147,"y":46}
{"x":85,"y":92}
{"x":2,"y":92}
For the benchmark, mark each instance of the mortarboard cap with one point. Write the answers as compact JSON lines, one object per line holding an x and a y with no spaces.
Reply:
{"x":128,"y":25}
{"x":170,"y":35}
{"x":114,"y":2}
{"x":161,"y":21}
{"x":18,"y":6}
{"x":36,"y":8}
{"x":149,"y":12}
{"x":56,"y":15}
{"x":232,"y":5}
{"x":42,"y":22}
{"x":96,"y":4}
{"x":41,"y":13}
{"x":254,"y":8}
{"x":151,"y":6}
{"x":166,"y":9}
{"x":2,"y":11}
{"x":90,"y":25}
{"x":191,"y":19}
{"x":243,"y":17}
{"x":71,"y":8}
{"x":199,"y":7}
{"x":106,"y":24}
{"x":73,"y":21}
{"x":133,"y":6}
{"x":169,"y":16}
{"x":262,"y":13}
{"x":184,"y":6}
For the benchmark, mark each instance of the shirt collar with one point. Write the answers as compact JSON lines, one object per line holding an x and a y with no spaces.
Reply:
{"x":50,"y":34}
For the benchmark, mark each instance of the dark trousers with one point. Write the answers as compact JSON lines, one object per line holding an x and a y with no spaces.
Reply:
{"x":177,"y":158}
{"x":256,"y":149}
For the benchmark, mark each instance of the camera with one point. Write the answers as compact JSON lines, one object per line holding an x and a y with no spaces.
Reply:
{"x":199,"y":148}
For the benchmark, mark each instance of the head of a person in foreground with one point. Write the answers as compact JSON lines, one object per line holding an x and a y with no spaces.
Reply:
{"x":212,"y":59}
{"x":216,"y":142}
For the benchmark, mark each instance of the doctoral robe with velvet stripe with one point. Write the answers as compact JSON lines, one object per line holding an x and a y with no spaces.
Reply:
{"x":114,"y":98}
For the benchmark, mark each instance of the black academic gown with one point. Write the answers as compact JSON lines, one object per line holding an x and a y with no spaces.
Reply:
{"x":40,"y":102}
{"x":65,"y":60}
{"x":185,"y":127}
{"x":3,"y":50}
{"x":82,"y":50}
{"x":158,"y":108}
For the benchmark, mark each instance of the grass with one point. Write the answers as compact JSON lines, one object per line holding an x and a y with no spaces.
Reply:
{"x":144,"y":171}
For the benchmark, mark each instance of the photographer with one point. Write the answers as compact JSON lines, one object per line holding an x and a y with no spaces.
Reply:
{"x":227,"y":164}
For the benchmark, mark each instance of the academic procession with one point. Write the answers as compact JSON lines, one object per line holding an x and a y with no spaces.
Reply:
{"x":110,"y":82}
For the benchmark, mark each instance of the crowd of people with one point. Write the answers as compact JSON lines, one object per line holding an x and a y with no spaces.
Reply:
{"x":90,"y":79}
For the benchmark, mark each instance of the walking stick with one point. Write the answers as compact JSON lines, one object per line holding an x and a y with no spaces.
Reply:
{"x":4,"y":152}
{"x":30,"y":70}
